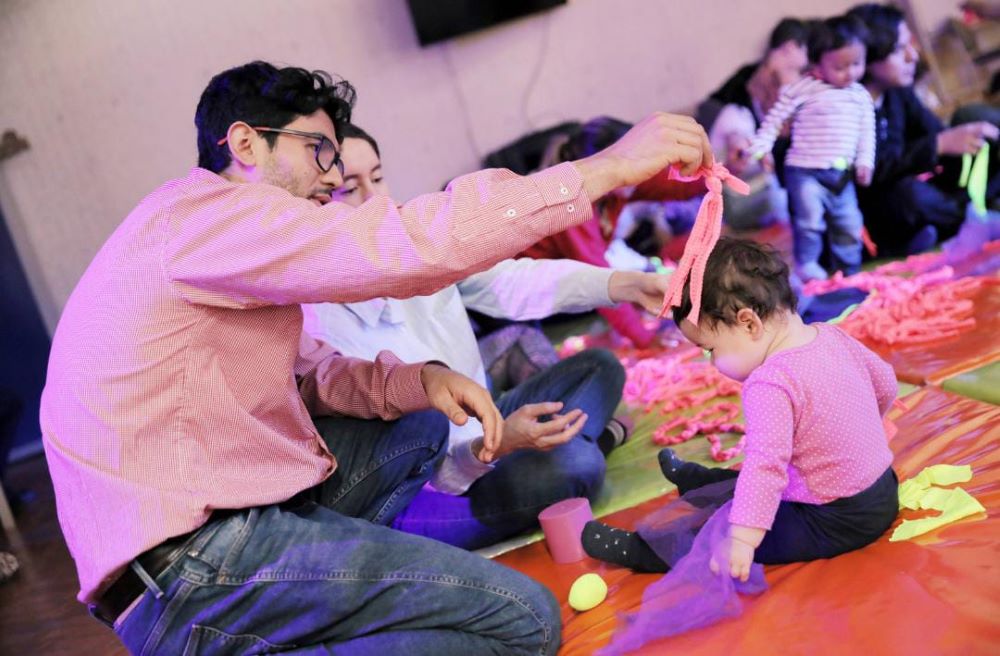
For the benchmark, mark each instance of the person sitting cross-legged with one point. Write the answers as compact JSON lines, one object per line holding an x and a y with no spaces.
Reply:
{"x":558,"y":423}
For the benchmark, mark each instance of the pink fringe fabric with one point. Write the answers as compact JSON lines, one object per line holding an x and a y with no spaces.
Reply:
{"x":704,"y":235}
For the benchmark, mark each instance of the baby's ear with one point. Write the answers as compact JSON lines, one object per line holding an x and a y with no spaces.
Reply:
{"x":748,"y":321}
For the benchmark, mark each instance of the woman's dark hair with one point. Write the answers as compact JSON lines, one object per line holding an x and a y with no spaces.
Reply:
{"x":882,"y":23}
{"x":593,"y":136}
{"x":788,"y":29}
{"x":835,"y":33}
{"x":263,"y":95}
{"x":351,"y":131}
{"x":740,"y":274}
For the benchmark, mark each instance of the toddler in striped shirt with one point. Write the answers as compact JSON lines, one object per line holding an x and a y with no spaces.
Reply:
{"x":833,"y":145}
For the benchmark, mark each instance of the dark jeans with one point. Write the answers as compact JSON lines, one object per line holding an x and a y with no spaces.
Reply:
{"x":823,"y":203}
{"x":805,"y":531}
{"x":506,"y":501}
{"x":315,"y":575}
{"x":898,"y":211}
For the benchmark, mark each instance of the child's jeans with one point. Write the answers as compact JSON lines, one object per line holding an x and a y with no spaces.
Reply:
{"x":824,"y":201}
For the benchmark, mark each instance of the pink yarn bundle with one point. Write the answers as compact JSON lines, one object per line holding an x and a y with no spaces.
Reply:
{"x":676,"y":383}
{"x":907,"y":311}
{"x":710,"y":422}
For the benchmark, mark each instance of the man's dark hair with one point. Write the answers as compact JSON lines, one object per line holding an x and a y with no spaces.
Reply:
{"x":788,"y":29}
{"x":352,"y":131}
{"x":882,"y":22}
{"x":263,"y":95}
{"x":835,"y":33}
{"x":740,"y":274}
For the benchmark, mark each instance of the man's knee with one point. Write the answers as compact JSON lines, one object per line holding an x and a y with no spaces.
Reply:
{"x":430,"y":427}
{"x":551,"y":617}
{"x":606,"y":365}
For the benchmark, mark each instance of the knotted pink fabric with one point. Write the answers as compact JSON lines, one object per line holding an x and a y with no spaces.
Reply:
{"x":704,"y":235}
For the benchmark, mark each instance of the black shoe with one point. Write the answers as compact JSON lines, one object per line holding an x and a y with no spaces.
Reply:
{"x":925,"y":239}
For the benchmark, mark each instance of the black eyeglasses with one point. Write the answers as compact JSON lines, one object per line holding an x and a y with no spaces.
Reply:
{"x":327,"y":154}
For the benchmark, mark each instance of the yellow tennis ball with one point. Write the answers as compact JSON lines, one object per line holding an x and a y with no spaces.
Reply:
{"x":587,"y":591}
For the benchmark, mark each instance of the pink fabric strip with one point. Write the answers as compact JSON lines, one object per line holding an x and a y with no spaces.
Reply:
{"x":704,"y":235}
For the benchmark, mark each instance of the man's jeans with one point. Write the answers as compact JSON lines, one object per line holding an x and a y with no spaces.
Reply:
{"x":506,"y":501}
{"x":301,"y":577}
{"x":823,"y":201}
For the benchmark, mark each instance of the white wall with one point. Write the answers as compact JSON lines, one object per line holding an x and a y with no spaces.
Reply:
{"x":105,"y":90}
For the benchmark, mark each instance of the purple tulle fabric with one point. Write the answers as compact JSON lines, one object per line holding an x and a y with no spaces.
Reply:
{"x":685,"y":534}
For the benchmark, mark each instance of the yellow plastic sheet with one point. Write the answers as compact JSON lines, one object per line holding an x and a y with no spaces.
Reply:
{"x":912,"y":490}
{"x":921,"y":493}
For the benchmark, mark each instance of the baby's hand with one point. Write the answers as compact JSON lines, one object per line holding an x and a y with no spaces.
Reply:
{"x":740,"y":547}
{"x":863,"y":174}
{"x":767,"y":161}
{"x":740,"y":559}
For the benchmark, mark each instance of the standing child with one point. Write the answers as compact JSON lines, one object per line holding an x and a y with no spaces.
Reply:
{"x":833,"y":131}
{"x":817,"y":479}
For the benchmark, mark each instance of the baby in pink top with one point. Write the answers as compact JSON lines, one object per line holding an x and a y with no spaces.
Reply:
{"x":817,"y":479}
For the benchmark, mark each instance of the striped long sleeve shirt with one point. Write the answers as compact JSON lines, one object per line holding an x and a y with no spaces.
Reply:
{"x":832,"y":127}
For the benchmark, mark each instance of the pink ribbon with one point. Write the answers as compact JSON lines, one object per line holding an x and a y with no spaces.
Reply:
{"x":704,"y":235}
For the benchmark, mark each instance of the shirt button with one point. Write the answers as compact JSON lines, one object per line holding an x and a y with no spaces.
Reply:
{"x":512,"y":212}
{"x":563,"y":190}
{"x":571,"y":207}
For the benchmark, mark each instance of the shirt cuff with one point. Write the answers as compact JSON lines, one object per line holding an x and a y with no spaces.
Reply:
{"x":468,"y":464}
{"x":562,"y":187}
{"x":404,"y":389}
{"x":460,"y":468}
{"x":601,"y":280}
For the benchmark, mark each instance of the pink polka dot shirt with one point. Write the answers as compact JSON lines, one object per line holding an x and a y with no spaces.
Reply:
{"x":814,"y":429}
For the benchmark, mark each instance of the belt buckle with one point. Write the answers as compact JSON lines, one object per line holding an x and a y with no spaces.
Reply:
{"x":96,"y":614}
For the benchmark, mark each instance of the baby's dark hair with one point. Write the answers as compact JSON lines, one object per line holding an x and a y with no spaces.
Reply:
{"x":835,"y":33}
{"x":740,"y":274}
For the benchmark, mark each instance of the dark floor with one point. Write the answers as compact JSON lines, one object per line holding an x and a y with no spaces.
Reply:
{"x":39,"y":613}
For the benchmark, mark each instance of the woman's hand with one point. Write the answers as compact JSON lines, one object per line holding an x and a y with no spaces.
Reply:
{"x":966,"y":139}
{"x":644,"y":289}
{"x":525,"y":429}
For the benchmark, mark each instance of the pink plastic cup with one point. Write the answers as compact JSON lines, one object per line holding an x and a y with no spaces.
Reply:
{"x":562,"y":524}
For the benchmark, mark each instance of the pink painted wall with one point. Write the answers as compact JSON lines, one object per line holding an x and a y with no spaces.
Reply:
{"x":105,"y":90}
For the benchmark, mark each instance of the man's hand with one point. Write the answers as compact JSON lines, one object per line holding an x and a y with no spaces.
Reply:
{"x":965,"y":139}
{"x":658,"y":141}
{"x":458,"y":396}
{"x":863,"y":175}
{"x":524,"y":429}
{"x":644,"y":289}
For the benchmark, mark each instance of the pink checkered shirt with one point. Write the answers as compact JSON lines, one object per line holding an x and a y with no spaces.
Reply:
{"x":179,"y":381}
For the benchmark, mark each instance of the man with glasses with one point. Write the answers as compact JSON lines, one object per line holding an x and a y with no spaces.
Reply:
{"x":206,"y":512}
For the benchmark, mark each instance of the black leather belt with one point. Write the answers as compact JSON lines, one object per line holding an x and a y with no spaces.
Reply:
{"x":128,"y":587}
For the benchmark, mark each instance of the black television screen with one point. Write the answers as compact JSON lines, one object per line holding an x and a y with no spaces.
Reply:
{"x":437,"y":20}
